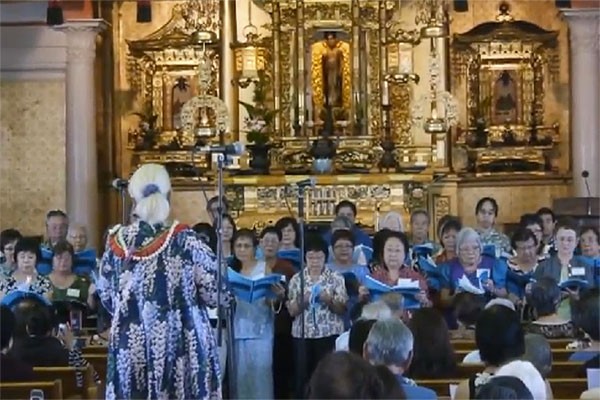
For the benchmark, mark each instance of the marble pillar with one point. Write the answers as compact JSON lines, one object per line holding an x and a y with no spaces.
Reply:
{"x":584,"y":29}
{"x":229,"y":93}
{"x":81,"y":153}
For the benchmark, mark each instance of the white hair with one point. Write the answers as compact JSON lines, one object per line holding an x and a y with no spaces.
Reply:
{"x":149,"y":187}
{"x":528,"y":374}
{"x":390,"y":342}
{"x":468,"y":234}
{"x":376,"y":310}
{"x":499,"y":301}
{"x":391,"y":219}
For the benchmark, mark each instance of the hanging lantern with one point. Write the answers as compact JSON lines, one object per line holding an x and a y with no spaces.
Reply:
{"x":249,"y":58}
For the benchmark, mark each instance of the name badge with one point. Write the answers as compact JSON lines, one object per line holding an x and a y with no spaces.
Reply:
{"x":579,"y":271}
{"x":73,"y":292}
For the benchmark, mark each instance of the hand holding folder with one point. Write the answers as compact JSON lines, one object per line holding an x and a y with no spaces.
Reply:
{"x":252,"y":290}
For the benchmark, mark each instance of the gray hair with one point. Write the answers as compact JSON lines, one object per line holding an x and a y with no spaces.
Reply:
{"x":341,"y":223}
{"x":390,"y":342}
{"x":466,"y":234}
{"x":376,"y":310}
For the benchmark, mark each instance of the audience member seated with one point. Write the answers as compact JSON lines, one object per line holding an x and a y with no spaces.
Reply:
{"x":372,"y":311}
{"x":471,"y":271}
{"x":8,"y":241}
{"x":390,"y":343}
{"x":539,"y":353}
{"x":391,"y":387}
{"x":392,"y":265}
{"x":526,"y":373}
{"x":85,"y":258}
{"x":321,"y":306}
{"x":473,"y":356}
{"x":392,"y":221}
{"x":467,"y":309}
{"x":66,"y":285}
{"x":40,"y":342}
{"x":522,"y":266}
{"x":433,"y":356}
{"x":564,"y":265}
{"x":500,"y":339}
{"x":586,"y":315}
{"x":447,"y":234}
{"x":343,"y":375}
{"x":346,"y":208}
{"x":486,"y":212}
{"x":25,"y":276}
{"x":503,"y":387}
{"x":11,"y":369}
{"x":544,"y":297}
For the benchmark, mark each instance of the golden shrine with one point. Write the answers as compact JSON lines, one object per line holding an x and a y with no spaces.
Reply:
{"x":393,"y":105}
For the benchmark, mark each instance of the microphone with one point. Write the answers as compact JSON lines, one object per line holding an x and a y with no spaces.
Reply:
{"x":584,"y":175}
{"x":119,"y":184}
{"x":304,"y":183}
{"x":233,"y":149}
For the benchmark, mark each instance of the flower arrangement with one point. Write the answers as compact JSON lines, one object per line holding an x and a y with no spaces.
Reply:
{"x":147,"y":132}
{"x":259,"y":122}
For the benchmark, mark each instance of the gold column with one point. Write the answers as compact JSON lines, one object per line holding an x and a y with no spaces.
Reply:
{"x":229,"y":92}
{"x":440,"y":142}
{"x":276,"y":67}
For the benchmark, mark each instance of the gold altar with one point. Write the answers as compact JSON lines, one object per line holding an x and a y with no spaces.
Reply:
{"x":345,"y":75}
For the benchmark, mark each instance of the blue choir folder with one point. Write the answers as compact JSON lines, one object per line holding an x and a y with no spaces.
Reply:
{"x":408,"y":288}
{"x":423,"y":250}
{"x":574,"y":284}
{"x":251,"y":290}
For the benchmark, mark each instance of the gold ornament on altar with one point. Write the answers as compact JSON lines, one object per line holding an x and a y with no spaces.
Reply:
{"x":204,"y":115}
{"x":331,"y":76}
{"x":250,"y":55}
{"x":443,"y":107}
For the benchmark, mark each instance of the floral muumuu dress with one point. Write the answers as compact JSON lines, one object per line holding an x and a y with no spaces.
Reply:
{"x":158,"y":282}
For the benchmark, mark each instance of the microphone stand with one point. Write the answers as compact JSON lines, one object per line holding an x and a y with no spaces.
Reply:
{"x":124,"y":211}
{"x":221,"y":279}
{"x":301,"y":362}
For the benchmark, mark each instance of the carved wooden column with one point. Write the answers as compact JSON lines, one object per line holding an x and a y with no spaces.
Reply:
{"x":584,"y":27}
{"x":82,"y":165}
{"x":229,"y":93}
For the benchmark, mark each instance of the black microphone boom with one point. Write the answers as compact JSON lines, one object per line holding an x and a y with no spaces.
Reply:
{"x":119,"y":183}
{"x":308,"y":182}
{"x":233,"y":149}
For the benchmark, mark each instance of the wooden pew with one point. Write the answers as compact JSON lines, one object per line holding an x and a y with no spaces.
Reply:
{"x":22,"y":390}
{"x":568,"y":388}
{"x":464,"y":344}
{"x":557,"y":354}
{"x":94,"y":350}
{"x":560,"y":369}
{"x":68,"y":377}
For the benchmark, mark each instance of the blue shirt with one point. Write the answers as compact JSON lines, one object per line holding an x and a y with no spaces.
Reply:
{"x":416,"y":392}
